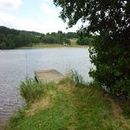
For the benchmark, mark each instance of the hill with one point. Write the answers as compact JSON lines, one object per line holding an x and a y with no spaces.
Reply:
{"x":12,"y":38}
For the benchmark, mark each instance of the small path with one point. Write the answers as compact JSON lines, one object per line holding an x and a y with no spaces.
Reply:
{"x":117,"y":111}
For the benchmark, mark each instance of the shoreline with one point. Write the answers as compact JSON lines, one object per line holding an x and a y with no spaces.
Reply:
{"x":52,"y":46}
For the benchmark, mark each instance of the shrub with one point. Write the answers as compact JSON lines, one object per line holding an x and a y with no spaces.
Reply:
{"x":112,"y":58}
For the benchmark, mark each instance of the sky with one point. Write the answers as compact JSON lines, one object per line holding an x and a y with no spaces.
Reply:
{"x":32,"y":15}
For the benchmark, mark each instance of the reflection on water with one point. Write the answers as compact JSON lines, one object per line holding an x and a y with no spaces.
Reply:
{"x":16,"y":65}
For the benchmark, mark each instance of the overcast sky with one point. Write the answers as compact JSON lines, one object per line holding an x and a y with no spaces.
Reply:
{"x":32,"y":15}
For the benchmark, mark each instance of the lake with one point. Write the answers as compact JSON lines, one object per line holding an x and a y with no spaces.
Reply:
{"x":16,"y":65}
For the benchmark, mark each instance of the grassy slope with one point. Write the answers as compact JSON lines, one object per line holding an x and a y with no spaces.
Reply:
{"x":66,"y":107}
{"x":46,"y":45}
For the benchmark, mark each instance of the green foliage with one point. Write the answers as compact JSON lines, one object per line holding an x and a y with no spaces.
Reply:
{"x":112,"y":59}
{"x":55,"y":38}
{"x":31,"y":90}
{"x":85,"y":41}
{"x":71,"y":35}
{"x":14,"y":120}
{"x":110,"y":20}
{"x":11,"y":38}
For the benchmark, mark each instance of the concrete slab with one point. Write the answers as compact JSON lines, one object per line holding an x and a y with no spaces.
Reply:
{"x":45,"y":76}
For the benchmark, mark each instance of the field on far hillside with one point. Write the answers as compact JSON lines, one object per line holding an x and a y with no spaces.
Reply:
{"x":47,"y":45}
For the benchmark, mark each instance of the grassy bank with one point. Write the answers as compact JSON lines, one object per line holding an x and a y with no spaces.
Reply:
{"x":68,"y":105}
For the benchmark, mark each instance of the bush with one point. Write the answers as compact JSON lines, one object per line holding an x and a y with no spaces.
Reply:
{"x":112,"y":59}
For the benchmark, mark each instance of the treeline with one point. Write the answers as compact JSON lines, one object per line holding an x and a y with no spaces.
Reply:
{"x":59,"y":37}
{"x":86,"y":40}
{"x":11,"y":38}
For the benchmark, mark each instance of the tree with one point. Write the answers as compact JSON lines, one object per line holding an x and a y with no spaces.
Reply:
{"x":84,"y":41}
{"x":110,"y":20}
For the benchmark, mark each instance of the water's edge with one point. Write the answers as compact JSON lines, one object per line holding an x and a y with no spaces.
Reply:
{"x":16,"y":65}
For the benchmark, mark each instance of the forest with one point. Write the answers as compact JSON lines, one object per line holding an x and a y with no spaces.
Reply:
{"x":12,"y":38}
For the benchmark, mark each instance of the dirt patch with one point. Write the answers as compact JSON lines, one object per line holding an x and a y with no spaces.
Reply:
{"x":44,"y":103}
{"x":66,"y":88}
{"x":117,"y":111}
{"x":38,"y":105}
{"x":3,"y":124}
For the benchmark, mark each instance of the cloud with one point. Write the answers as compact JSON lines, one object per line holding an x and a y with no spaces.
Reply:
{"x":6,"y":19}
{"x":40,"y":26}
{"x":44,"y":26}
{"x":49,"y":9}
{"x":51,"y":13}
{"x":10,"y":4}
{"x":48,"y":21}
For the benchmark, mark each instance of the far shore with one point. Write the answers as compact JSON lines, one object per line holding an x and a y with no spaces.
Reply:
{"x":41,"y":45}
{"x":55,"y":45}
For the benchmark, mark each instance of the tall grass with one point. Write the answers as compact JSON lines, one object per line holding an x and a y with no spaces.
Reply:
{"x":77,"y":79}
{"x":31,"y":90}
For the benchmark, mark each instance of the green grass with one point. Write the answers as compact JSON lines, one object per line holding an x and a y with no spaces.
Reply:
{"x":66,"y":106}
{"x":31,"y":90}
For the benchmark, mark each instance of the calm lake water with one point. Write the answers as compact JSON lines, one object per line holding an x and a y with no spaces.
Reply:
{"x":16,"y":65}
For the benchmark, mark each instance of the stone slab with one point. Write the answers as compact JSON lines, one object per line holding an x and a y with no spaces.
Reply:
{"x":45,"y":76}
